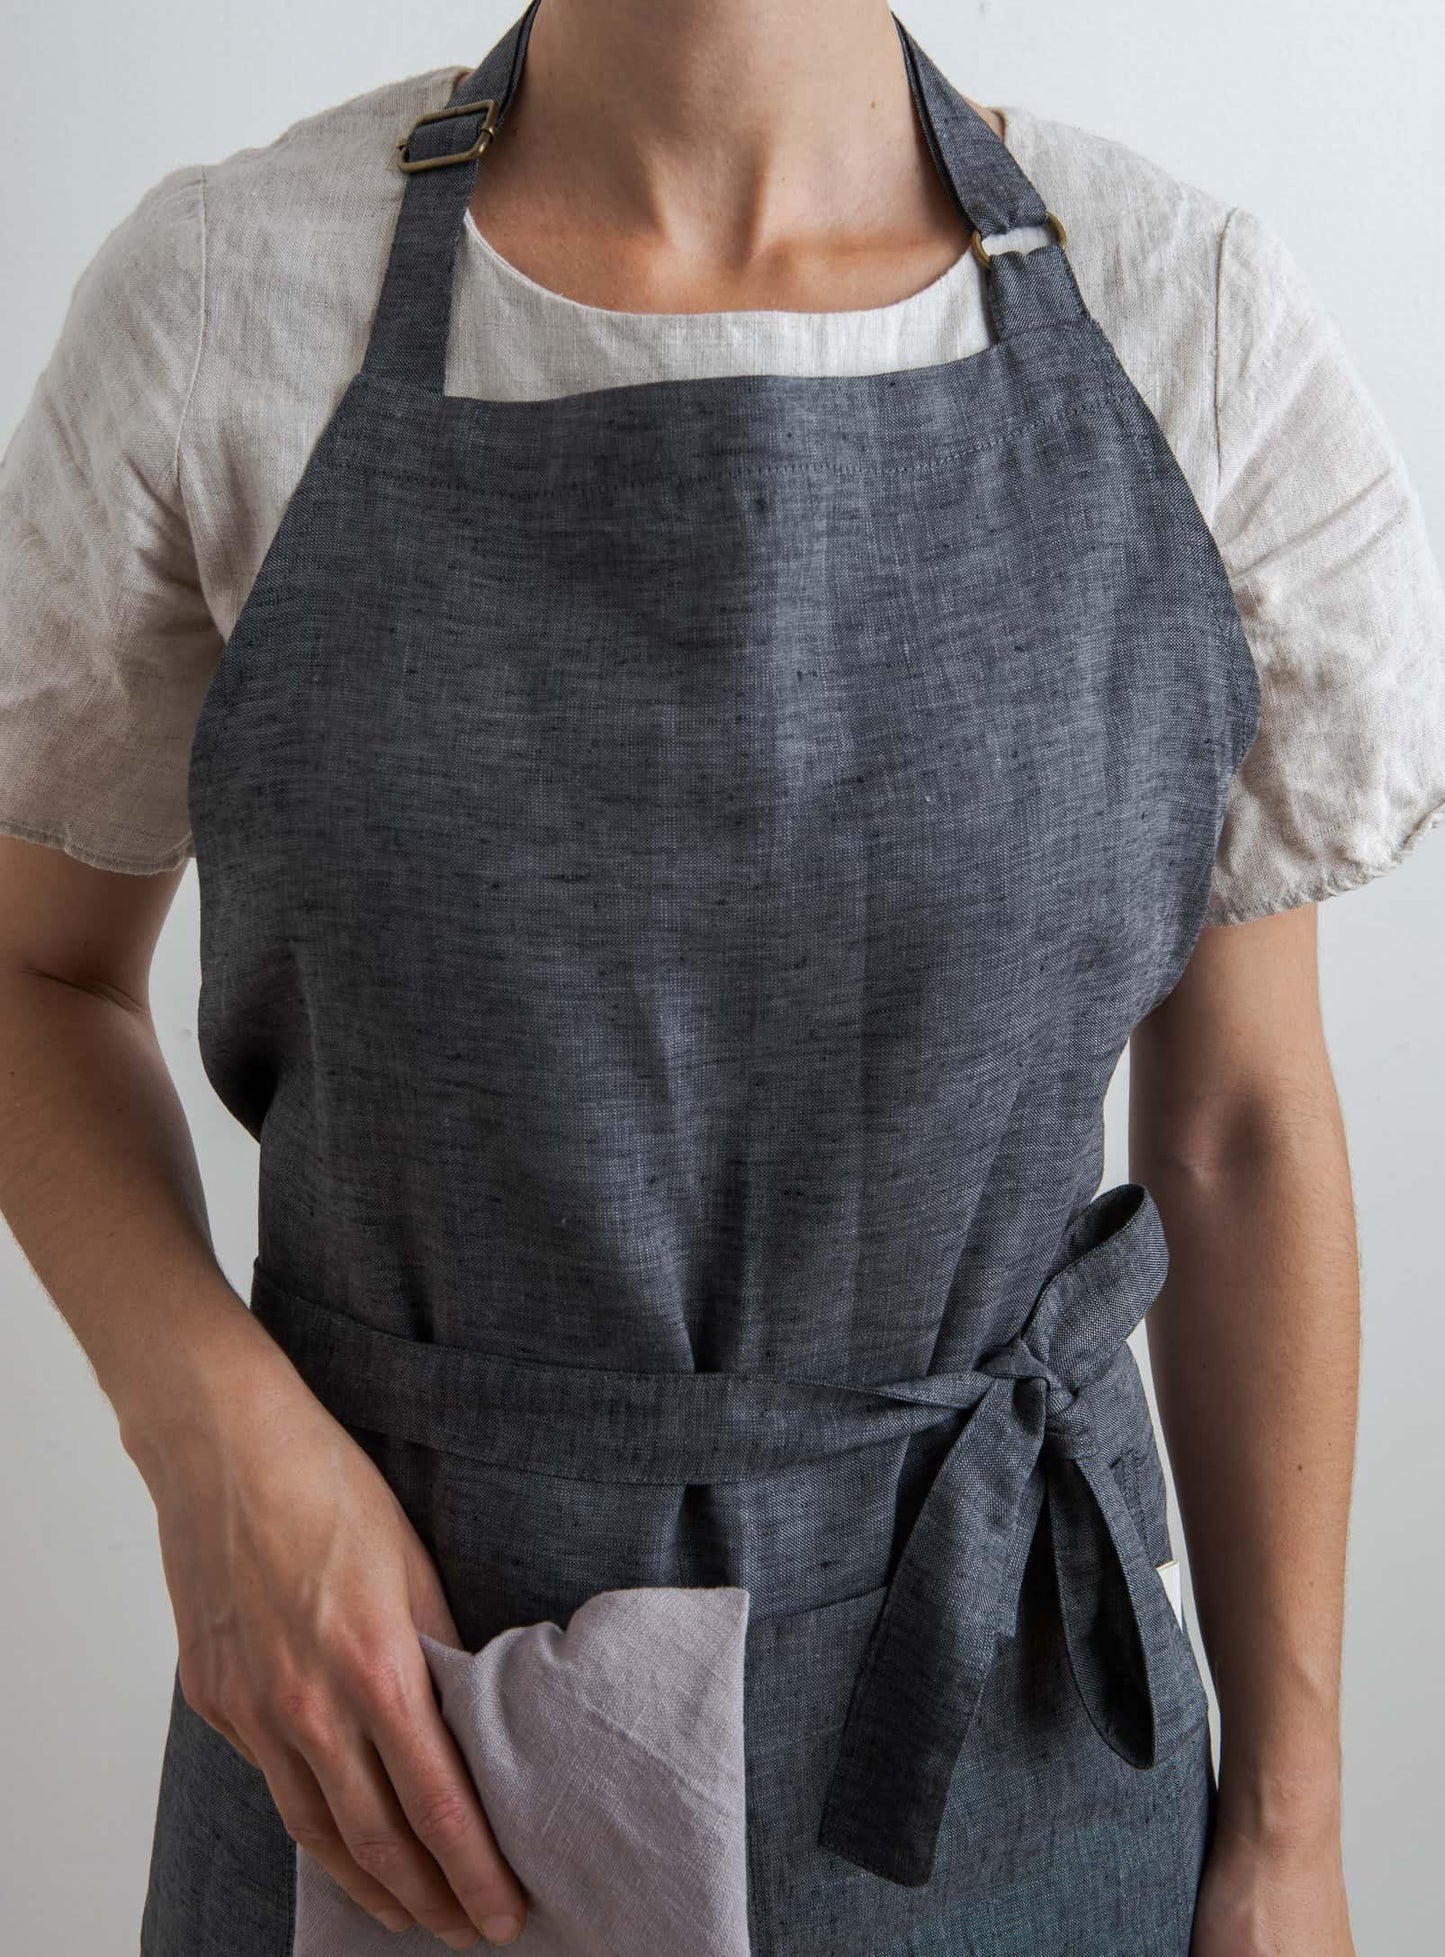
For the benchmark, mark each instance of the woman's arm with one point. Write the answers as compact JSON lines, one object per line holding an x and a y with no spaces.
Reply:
{"x":1236,"y":1128}
{"x":298,"y":1584}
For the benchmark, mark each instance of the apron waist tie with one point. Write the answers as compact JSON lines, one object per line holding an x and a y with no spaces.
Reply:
{"x":1046,"y":1415}
{"x":1055,"y":1405}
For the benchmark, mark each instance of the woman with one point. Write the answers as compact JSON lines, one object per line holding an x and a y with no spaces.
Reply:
{"x":708,"y":711}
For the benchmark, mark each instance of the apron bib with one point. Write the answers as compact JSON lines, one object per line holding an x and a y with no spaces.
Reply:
{"x":679,"y":864}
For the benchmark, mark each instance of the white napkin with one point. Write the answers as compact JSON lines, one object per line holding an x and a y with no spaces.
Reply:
{"x":609,"y":1759}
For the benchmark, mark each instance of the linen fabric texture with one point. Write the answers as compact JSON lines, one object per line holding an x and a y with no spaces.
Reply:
{"x":211,"y":336}
{"x":679,"y":864}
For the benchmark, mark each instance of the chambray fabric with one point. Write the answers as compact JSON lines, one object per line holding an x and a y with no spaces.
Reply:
{"x":679,"y":865}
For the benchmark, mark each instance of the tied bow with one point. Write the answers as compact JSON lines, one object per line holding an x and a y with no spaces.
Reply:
{"x":1049,"y":1411}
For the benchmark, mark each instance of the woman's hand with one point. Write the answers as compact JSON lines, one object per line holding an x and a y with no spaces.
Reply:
{"x":1281,"y":1896}
{"x":299,"y":1588}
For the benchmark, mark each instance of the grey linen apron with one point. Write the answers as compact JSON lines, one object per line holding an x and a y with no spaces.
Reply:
{"x":679,"y":864}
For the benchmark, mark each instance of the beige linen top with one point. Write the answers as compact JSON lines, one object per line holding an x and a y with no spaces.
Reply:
{"x":211,"y":335}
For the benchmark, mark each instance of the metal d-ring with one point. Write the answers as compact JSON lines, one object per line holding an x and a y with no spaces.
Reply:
{"x":985,"y":258}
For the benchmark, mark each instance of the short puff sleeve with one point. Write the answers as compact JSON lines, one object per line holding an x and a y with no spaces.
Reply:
{"x":1340,"y":595}
{"x":106,"y":642}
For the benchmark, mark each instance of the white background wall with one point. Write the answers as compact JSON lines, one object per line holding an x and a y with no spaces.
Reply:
{"x":1325,"y":117}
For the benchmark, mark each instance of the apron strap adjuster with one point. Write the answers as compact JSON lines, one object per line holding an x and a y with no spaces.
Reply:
{"x":985,"y":256}
{"x":488,"y":112}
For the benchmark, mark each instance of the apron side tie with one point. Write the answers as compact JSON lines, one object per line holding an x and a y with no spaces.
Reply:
{"x":1041,"y":1432}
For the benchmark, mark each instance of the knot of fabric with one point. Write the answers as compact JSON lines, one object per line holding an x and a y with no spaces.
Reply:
{"x":1045,"y":1413}
{"x":1018,"y":1361}
{"x":1068,"y":1430}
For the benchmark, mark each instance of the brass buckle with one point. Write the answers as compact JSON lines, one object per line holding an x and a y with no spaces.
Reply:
{"x":985,"y":258}
{"x":487,"y":109}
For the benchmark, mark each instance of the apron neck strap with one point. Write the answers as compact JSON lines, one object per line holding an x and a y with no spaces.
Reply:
{"x":411,"y":327}
{"x":412,"y":324}
{"x":1024,"y":288}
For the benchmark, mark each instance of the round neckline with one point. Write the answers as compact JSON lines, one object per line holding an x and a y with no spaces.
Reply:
{"x":965,"y":266}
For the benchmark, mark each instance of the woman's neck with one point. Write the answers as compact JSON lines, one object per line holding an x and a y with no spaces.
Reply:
{"x":719,"y":133}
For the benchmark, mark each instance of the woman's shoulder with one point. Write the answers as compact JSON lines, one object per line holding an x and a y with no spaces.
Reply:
{"x":359,"y":132}
{"x":291,"y":228}
{"x":326,"y":171}
{"x":1104,"y":187}
{"x":1193,"y":292}
{"x":1145,"y":245}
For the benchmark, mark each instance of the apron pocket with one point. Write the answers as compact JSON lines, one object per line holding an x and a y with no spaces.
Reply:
{"x":800,"y":1670}
{"x":609,"y":1759}
{"x":798,"y":1684}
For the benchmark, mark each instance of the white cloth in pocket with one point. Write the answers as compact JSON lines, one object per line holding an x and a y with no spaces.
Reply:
{"x":1171,"y":1576}
{"x":609,"y":1759}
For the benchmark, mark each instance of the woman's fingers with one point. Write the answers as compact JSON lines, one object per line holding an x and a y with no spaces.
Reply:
{"x":398,"y":1795}
{"x":380,"y":1840}
{"x":308,"y":1819}
{"x":439,"y":1798}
